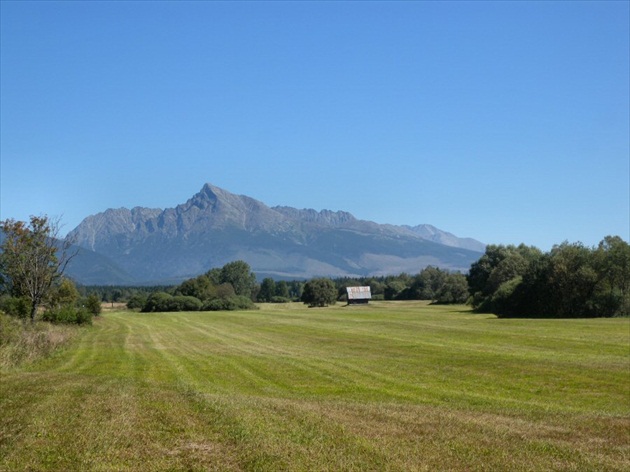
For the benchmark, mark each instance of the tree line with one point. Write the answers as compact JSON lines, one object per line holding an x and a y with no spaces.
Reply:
{"x":571,"y":280}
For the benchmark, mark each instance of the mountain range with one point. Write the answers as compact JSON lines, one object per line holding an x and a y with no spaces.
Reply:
{"x":150,"y":245}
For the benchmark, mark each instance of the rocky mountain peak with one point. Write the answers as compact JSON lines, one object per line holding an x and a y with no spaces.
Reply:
{"x":215,"y":227}
{"x":323,"y":217}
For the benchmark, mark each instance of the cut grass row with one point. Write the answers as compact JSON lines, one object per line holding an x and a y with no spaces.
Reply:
{"x":388,"y":386}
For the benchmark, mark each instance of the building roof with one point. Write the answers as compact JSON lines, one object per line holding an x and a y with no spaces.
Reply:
{"x":359,"y":293}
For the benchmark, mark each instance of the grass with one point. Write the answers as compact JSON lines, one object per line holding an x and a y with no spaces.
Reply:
{"x":23,"y":342}
{"x":394,"y":386}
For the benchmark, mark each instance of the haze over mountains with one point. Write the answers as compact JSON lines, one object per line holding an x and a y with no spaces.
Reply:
{"x":145,"y":245}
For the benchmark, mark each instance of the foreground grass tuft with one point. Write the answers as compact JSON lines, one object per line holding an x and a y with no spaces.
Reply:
{"x":391,"y":386}
{"x":24,"y":342}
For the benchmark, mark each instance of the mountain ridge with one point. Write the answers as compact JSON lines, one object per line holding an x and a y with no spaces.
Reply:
{"x":215,"y":226}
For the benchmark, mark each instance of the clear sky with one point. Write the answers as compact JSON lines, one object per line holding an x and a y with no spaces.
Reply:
{"x":507,"y":122}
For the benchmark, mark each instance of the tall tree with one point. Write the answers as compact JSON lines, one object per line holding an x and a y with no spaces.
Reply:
{"x":240,"y":276}
{"x":65,"y":293}
{"x":33,"y":258}
{"x":267,"y":290}
{"x":282,"y":289}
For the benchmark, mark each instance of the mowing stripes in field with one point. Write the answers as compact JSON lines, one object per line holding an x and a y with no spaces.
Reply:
{"x":388,"y":386}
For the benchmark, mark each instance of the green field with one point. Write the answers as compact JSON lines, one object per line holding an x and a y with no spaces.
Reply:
{"x":397,"y":386}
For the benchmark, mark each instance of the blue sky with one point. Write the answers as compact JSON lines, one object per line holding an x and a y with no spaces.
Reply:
{"x":507,"y":122}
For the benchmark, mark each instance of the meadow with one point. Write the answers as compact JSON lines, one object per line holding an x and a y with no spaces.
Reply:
{"x":391,"y":386}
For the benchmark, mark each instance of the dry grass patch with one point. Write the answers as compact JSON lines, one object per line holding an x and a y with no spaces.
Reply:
{"x":22,"y":342}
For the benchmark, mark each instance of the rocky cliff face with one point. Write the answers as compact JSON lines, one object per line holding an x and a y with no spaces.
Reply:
{"x":215,"y":226}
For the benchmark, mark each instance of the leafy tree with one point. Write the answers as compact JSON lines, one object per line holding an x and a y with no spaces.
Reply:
{"x":569,"y":281}
{"x":296,"y":288}
{"x":454,"y":289}
{"x":65,"y":293}
{"x":225,"y":291}
{"x":572,"y":279}
{"x":240,"y":276}
{"x":282,"y":289}
{"x":498,"y":265}
{"x":33,"y":258}
{"x":393,"y":289}
{"x":377,"y":288}
{"x":319,"y":292}
{"x":427,"y":284}
{"x":200,"y":287}
{"x":612,"y":260}
{"x":137,"y":301}
{"x":93,"y":304}
{"x":214,"y":275}
{"x":267,"y":290}
{"x":113,"y":295}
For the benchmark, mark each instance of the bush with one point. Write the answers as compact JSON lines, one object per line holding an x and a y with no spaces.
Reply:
{"x":184,"y":303}
{"x":137,"y":302}
{"x":158,"y":301}
{"x":14,"y":306}
{"x":68,"y":314}
{"x":229,"y":303}
{"x":93,"y":304}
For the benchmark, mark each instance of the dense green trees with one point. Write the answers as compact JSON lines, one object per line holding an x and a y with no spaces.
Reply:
{"x":267,"y":290}
{"x":569,"y":281}
{"x":65,"y":294}
{"x":228,"y":288}
{"x":499,"y":264}
{"x":453,"y":290}
{"x":319,"y":292}
{"x":279,"y":292}
{"x":239,"y":275}
{"x":431,"y":283}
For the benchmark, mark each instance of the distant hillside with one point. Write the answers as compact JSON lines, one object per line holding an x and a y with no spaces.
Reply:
{"x":431,"y":233}
{"x":91,"y":268}
{"x":215,"y":227}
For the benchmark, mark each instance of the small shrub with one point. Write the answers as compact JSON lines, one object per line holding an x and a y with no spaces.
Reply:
{"x":184,"y":303}
{"x":14,"y":306}
{"x":93,"y":304}
{"x":68,"y":314}
{"x":229,"y":303}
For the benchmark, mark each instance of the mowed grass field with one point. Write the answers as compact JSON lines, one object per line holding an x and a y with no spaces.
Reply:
{"x":392,"y":386}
